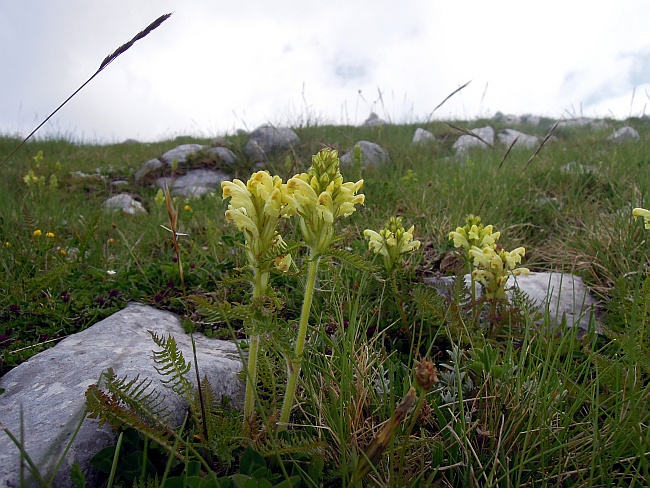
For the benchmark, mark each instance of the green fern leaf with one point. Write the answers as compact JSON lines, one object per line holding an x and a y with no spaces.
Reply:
{"x":354,"y":260}
{"x":170,"y":363}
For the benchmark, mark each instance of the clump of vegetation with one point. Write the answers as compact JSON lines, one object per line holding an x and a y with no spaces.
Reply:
{"x":356,"y":372}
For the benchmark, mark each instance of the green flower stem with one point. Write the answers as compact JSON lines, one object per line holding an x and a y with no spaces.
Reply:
{"x":253,"y":351}
{"x":400,"y":307}
{"x":294,"y":364}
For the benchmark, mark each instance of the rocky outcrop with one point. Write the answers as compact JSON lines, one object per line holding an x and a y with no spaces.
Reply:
{"x":46,"y":393}
{"x":266,"y":139}
{"x":373,"y":154}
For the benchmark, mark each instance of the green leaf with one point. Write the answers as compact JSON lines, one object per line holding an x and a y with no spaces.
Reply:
{"x":353,"y":260}
{"x":251,"y":461}
{"x":77,"y":476}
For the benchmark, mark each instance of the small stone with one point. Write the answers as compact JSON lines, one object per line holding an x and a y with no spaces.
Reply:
{"x":423,"y":136}
{"x":373,"y":154}
{"x":126,"y":203}
{"x":624,"y":134}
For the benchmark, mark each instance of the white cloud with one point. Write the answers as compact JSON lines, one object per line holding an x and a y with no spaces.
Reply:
{"x":217,"y":66}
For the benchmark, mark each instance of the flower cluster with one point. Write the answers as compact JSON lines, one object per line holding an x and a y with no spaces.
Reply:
{"x":320,"y":198}
{"x":642,"y":212}
{"x":255,"y":209}
{"x":473,"y":234}
{"x":392,"y":242}
{"x":491,"y":264}
{"x":492,"y":267}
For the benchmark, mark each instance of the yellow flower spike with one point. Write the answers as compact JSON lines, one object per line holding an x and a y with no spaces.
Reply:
{"x":392,"y":242}
{"x":642,"y":212}
{"x":37,"y":233}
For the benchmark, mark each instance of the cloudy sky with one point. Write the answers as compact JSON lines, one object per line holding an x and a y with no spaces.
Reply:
{"x":216,"y":66}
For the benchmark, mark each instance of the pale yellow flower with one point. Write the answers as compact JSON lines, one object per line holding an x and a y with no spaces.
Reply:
{"x":255,"y":208}
{"x":320,"y":198}
{"x":493,"y":266}
{"x":282,"y":263}
{"x":642,"y":212}
{"x":473,"y":234}
{"x":392,"y":242}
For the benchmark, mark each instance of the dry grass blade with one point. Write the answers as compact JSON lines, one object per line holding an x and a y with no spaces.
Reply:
{"x":447,"y":98}
{"x":373,"y":453}
{"x":544,"y":141}
{"x":508,"y":152}
{"x":470,"y":133}
{"x":109,"y":59}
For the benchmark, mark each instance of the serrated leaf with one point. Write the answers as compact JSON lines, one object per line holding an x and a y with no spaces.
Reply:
{"x":354,"y":260}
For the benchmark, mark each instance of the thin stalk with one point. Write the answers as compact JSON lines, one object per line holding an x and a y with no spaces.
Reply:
{"x":253,"y":352}
{"x":294,"y":364}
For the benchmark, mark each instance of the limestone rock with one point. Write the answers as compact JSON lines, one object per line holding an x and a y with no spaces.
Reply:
{"x":194,"y":183}
{"x":423,"y":136}
{"x":49,"y":388}
{"x":180,"y":153}
{"x":624,"y":134}
{"x":563,"y":295}
{"x":266,"y":139}
{"x":510,"y":119}
{"x":373,"y":154}
{"x":148,"y":167}
{"x":582,"y":122}
{"x":223,"y":154}
{"x":373,"y":120}
{"x":126,"y":203}
{"x":466,"y":141}
{"x":508,"y":136}
{"x":574,"y":167}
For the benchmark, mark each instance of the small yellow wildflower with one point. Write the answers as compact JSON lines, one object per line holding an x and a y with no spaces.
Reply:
{"x":473,"y":234}
{"x":7,"y":244}
{"x":320,"y":198}
{"x":392,"y":242}
{"x":642,"y":212}
{"x":63,"y":252}
{"x":37,"y":233}
{"x":187,"y":208}
{"x":110,"y":240}
{"x":493,"y":266}
{"x":49,"y":234}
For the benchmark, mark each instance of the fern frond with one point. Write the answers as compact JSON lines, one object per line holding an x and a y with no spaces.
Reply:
{"x":137,"y":394}
{"x":109,"y":407}
{"x":170,"y":363}
{"x":354,"y":260}
{"x":223,"y":311}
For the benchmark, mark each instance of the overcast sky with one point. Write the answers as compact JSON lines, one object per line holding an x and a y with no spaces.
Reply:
{"x":217,"y":66}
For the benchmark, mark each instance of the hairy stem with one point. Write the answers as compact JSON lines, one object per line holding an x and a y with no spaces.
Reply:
{"x":294,"y":364}
{"x":253,"y":351}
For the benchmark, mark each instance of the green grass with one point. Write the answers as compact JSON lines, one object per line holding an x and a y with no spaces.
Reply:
{"x":515,"y":407}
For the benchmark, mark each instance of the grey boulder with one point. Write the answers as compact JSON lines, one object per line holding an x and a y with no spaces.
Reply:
{"x":125,"y":203}
{"x":509,"y":136}
{"x":373,"y":120}
{"x":422,"y":136}
{"x":479,"y":137}
{"x":46,"y":393}
{"x":266,"y":139}
{"x":625,"y":134}
{"x":180,"y":153}
{"x":148,"y":167}
{"x":194,"y":183}
{"x":563,"y":296}
{"x":222,"y":154}
{"x":373,"y":154}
